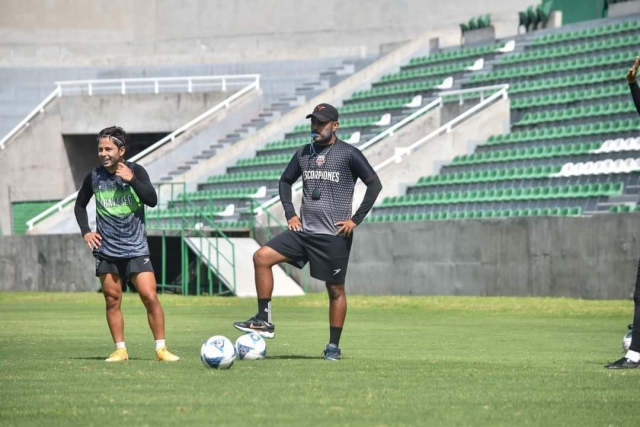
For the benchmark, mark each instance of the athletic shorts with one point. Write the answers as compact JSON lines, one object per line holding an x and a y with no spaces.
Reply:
{"x":123,"y":267}
{"x":328,"y":256}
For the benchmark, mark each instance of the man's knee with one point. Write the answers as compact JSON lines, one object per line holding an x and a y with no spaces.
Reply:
{"x":262,"y":257}
{"x":336,"y":291}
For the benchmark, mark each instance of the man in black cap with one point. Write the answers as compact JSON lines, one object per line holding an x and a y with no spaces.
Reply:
{"x":322,"y":234}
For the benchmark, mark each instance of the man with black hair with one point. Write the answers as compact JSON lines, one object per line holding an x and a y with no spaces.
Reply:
{"x":631,"y":359}
{"x":322,"y":234}
{"x":120,"y":244}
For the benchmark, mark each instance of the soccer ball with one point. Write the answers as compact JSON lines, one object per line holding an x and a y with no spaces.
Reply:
{"x":218,"y":352}
{"x":251,"y":347}
{"x":626,"y":342}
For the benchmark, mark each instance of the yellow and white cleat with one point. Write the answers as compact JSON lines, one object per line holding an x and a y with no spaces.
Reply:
{"x":120,"y":355}
{"x":164,"y":355}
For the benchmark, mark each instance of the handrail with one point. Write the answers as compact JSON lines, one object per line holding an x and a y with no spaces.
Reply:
{"x":388,"y":132}
{"x":438,"y":101}
{"x":226,"y":103}
{"x":444,"y":128}
{"x":153,"y":84}
{"x":25,"y":122}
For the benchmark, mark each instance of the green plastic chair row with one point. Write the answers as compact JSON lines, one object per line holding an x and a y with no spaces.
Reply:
{"x":264,"y":160}
{"x":468,"y":96}
{"x":287,"y":143}
{"x":245,"y":176}
{"x":597,"y":110}
{"x":530,"y":153}
{"x":588,"y":33}
{"x":189,"y":211}
{"x":413,"y":73}
{"x":572,"y":81}
{"x":414,"y":87}
{"x":385,"y":105}
{"x":455,"y":54}
{"x":493,"y":175}
{"x":476,"y":23}
{"x":293,"y":143}
{"x":346,"y":123}
{"x":227,"y":225}
{"x":566,"y":97}
{"x":624,"y":209}
{"x":505,"y":195}
{"x":501,"y":213}
{"x":224,"y":193}
{"x":591,"y":129}
{"x":558,"y":52}
{"x":554,"y":67}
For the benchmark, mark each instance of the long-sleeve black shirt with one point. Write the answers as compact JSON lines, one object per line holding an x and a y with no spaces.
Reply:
{"x":119,"y":210}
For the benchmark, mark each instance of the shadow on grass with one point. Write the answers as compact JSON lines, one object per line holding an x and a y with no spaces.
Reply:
{"x":104,"y":357}
{"x":293,"y":357}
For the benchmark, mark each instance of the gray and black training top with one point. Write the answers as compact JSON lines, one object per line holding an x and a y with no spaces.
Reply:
{"x":331,"y":172}
{"x":119,"y":210}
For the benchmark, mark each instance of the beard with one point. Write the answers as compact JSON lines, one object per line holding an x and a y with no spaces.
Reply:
{"x":323,"y":138}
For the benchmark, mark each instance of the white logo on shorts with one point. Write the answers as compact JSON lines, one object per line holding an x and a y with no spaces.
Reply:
{"x":146,"y":260}
{"x":336,"y":271}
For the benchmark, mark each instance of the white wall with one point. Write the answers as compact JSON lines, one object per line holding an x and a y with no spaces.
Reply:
{"x":98,"y":31}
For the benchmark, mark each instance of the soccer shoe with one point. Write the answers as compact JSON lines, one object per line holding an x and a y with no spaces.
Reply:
{"x":332,"y":352}
{"x":257,"y":326}
{"x":164,"y":355}
{"x":630,"y":326}
{"x":120,"y":355}
{"x":623,"y":363}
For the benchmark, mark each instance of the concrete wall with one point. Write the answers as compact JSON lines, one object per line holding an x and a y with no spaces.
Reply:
{"x":24,"y":87}
{"x":46,"y":263}
{"x":589,"y":257}
{"x":583,"y":257}
{"x":60,"y":31}
{"x":137,"y":113}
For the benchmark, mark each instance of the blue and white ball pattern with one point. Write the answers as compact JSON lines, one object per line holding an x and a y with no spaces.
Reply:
{"x":218,"y":352}
{"x":251,"y":347}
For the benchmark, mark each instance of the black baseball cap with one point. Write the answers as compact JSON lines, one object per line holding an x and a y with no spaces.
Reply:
{"x":324,"y":113}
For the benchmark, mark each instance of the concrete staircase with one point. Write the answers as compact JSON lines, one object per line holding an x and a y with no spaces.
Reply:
{"x":275,"y":110}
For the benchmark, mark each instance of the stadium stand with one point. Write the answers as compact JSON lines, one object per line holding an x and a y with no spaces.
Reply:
{"x":574,"y":146}
{"x":363,"y":116}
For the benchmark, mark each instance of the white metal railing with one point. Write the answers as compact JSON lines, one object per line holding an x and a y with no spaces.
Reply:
{"x":446,"y":128}
{"x":154,"y":85}
{"x":255,"y":85}
{"x":136,"y":86}
{"x":27,"y":120}
{"x":501,"y":89}
{"x":388,"y":132}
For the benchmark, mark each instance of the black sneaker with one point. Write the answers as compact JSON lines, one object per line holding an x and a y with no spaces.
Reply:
{"x":332,"y":352}
{"x":630,"y":326}
{"x":623,"y":363}
{"x":257,"y":326}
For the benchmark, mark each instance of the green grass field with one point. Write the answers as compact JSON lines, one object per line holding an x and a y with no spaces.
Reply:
{"x":436,"y":361}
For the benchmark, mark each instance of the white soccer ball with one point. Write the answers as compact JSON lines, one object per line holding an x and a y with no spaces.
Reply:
{"x":218,"y":352}
{"x":251,"y":347}
{"x":626,"y":342}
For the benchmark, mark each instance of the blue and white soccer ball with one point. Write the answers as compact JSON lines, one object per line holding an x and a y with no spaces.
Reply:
{"x":218,"y":352}
{"x":626,"y":342}
{"x":251,"y":347}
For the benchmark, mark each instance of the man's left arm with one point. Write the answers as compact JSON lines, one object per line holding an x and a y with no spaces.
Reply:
{"x":363,"y":170}
{"x":141,"y":184}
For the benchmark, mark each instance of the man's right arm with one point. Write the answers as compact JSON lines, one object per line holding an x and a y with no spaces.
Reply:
{"x":635,"y":94}
{"x":289,"y":176}
{"x":80,"y":208}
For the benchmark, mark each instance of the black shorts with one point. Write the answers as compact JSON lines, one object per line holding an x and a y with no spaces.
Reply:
{"x":328,"y":256}
{"x":123,"y":267}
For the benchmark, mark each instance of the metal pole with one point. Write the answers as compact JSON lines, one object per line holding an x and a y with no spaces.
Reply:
{"x":164,"y":259}
{"x":10,"y":211}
